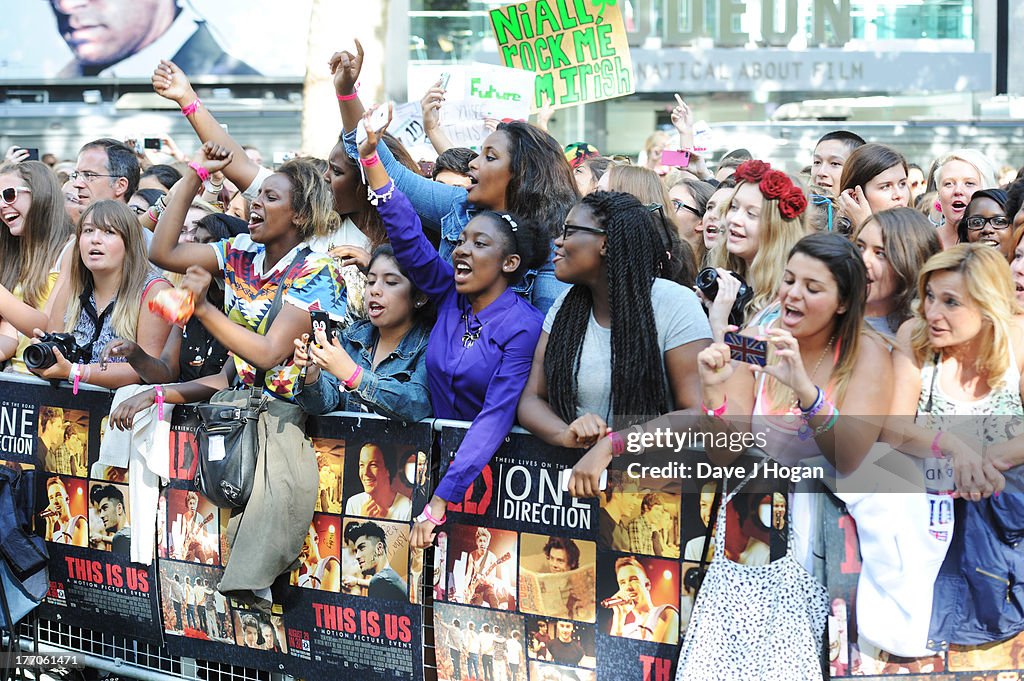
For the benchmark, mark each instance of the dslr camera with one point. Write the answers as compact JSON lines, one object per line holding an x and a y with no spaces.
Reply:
{"x":707,"y":283}
{"x":40,"y":355}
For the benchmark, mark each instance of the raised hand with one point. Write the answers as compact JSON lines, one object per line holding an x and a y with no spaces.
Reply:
{"x":346,"y":68}
{"x":214,"y":157}
{"x":170,"y":82}
{"x":368,"y":147}
{"x":430,"y":106}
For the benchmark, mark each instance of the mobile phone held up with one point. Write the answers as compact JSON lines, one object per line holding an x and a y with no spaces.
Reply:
{"x":378,"y":119}
{"x":152,"y":143}
{"x":445,"y":77}
{"x":747,"y":349}
{"x":33,"y":154}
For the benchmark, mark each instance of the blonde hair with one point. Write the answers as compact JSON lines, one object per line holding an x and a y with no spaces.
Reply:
{"x":28,"y":259}
{"x":312,"y":199}
{"x":989,"y":286}
{"x":777,"y":237}
{"x":986,"y":171}
{"x":116,"y":216}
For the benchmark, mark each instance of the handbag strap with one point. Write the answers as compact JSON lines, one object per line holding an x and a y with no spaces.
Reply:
{"x":702,"y":566}
{"x":258,"y":384}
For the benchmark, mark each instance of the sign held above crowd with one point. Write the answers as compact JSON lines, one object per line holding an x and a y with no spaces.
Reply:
{"x":577,"y":48}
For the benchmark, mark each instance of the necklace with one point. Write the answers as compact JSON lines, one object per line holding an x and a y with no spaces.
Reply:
{"x":473,"y":329}
{"x":795,"y":410}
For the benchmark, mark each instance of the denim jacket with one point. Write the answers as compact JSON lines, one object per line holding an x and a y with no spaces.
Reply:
{"x":397,"y":388}
{"x":446,"y":209}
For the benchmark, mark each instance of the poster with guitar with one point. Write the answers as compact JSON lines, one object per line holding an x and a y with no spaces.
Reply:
{"x":83,"y":511}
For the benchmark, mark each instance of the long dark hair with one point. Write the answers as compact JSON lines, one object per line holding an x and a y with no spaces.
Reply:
{"x":866,"y":162}
{"x":542,"y":188}
{"x":634,"y":254}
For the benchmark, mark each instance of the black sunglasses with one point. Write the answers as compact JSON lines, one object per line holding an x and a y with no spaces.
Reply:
{"x":569,"y":229}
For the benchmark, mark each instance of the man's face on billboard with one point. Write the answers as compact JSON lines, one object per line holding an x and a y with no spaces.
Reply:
{"x":106,"y":31}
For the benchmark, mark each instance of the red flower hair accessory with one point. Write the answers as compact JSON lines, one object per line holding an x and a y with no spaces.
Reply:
{"x":793,"y":203}
{"x":751,"y":171}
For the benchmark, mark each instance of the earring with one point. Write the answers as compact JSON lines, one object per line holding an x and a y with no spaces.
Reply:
{"x":419,"y":303}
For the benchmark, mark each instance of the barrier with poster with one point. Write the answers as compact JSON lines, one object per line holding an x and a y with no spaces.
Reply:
{"x":349,"y":605}
{"x":529,"y":583}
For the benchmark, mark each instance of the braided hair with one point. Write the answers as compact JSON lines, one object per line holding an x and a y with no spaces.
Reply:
{"x":634,"y":255}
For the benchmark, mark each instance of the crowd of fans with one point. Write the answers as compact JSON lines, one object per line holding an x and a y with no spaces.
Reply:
{"x":538,"y":283}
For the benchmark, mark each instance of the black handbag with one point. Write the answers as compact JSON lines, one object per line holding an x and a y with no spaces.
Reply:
{"x":227,"y":436}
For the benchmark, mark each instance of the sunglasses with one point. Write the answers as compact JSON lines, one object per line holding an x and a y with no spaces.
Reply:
{"x":10,"y":195}
{"x":569,"y":229}
{"x":998,"y":222}
{"x":678,"y":205}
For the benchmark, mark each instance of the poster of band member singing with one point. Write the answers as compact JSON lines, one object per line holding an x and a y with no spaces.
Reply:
{"x":83,"y":509}
{"x":351,"y":601}
{"x":525,"y":588}
{"x":346,"y":602}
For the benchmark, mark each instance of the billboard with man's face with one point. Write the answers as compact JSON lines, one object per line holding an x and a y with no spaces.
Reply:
{"x":125,"y":39}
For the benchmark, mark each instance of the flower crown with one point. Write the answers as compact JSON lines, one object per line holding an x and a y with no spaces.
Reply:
{"x":775,"y":185}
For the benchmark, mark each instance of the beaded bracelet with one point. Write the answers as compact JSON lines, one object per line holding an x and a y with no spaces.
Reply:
{"x":805,"y":432}
{"x":374,"y":198}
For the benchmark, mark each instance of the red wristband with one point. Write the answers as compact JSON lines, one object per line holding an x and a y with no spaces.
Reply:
{"x":370,"y":161}
{"x":717,"y":413}
{"x":190,"y":109}
{"x":349,"y":97}
{"x":202,"y":172}
{"x":618,"y":444}
{"x":352,"y":381}
{"x":159,"y":390}
{"x":936,"y":449}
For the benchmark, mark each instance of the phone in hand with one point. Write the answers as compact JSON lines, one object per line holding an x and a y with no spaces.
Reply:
{"x":321,"y":321}
{"x":378,"y":119}
{"x":445,"y":77}
{"x":152,"y":143}
{"x":33,"y":154}
{"x":747,"y":349}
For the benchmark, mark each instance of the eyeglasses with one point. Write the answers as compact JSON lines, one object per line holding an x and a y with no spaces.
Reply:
{"x":977,"y":223}
{"x":88,"y":176}
{"x":10,"y":195}
{"x":569,"y":229}
{"x":678,"y":205}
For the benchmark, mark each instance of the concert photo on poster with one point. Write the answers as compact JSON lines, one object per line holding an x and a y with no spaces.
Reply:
{"x":482,"y":566}
{"x":320,"y":556}
{"x":640,"y":598}
{"x":476,"y":643}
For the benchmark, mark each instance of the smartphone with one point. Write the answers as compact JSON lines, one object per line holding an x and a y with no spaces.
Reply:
{"x":378,"y":119}
{"x":445,"y":77}
{"x":152,"y":143}
{"x":33,"y":154}
{"x":747,"y":349}
{"x":139,"y":149}
{"x":321,"y":321}
{"x":676,"y":159}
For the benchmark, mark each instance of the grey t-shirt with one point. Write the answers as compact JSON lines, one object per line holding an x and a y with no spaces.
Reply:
{"x":679,"y":318}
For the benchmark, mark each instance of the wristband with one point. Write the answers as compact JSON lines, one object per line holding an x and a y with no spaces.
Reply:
{"x":352,"y":381}
{"x":190,"y":109}
{"x":936,"y":449}
{"x":202,"y":172}
{"x":153,"y":215}
{"x":370,"y":161}
{"x":75,"y":377}
{"x":159,"y":390}
{"x":426,"y":516}
{"x":349,"y":97}
{"x":717,"y":413}
{"x":618,"y":444}
{"x":816,"y":405}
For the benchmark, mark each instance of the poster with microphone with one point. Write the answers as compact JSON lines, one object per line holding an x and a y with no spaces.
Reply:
{"x":84,"y":509}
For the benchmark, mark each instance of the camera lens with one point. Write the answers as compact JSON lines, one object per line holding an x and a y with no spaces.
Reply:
{"x":39,"y":356}
{"x":707,"y":282}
